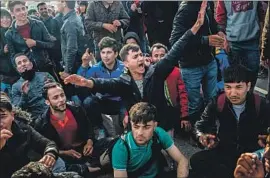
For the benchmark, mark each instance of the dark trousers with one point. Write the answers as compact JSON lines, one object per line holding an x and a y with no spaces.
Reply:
{"x":268,"y":95}
{"x":95,"y":106}
{"x":80,"y":165}
{"x":213,"y":163}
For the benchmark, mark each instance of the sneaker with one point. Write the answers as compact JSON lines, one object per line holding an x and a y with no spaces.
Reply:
{"x":263,"y":74}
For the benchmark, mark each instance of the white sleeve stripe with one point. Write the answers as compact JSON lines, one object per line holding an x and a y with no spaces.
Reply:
{"x":120,"y":169}
{"x":170,"y":146}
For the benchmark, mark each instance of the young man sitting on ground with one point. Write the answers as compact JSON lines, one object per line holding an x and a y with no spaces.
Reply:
{"x":138,"y":154}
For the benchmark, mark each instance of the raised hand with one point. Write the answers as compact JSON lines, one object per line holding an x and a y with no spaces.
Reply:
{"x":78,"y":80}
{"x":201,"y":15}
{"x":87,"y":57}
{"x":200,"y":19}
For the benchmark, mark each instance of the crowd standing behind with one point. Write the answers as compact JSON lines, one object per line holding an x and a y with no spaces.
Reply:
{"x":104,"y":87}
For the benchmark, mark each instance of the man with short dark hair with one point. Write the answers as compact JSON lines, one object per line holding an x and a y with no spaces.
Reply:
{"x":54,"y":30}
{"x":106,"y":18}
{"x":108,"y":67}
{"x":17,"y":138}
{"x":69,"y":127}
{"x":29,"y":36}
{"x":72,"y":32}
{"x":231,"y":124}
{"x":26,"y":93}
{"x":158,"y":51}
{"x":175,"y":94}
{"x":136,"y":84}
{"x":142,"y":149}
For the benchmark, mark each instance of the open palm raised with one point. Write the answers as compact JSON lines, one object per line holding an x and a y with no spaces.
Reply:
{"x":201,"y":15}
{"x":76,"y":80}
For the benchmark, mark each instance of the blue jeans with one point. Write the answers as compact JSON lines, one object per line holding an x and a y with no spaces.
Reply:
{"x":249,"y":58}
{"x":6,"y":88}
{"x":59,"y":166}
{"x":194,"y":78}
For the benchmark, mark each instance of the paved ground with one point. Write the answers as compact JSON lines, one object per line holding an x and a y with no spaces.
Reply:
{"x":183,"y":145}
{"x":187,"y":149}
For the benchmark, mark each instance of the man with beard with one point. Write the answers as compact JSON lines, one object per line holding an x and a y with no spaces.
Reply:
{"x":69,"y":127}
{"x":230,"y":125}
{"x":26,"y":93}
{"x":54,"y":30}
{"x":136,"y":84}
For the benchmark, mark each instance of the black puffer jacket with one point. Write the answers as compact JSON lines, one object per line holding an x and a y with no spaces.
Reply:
{"x":38,"y":54}
{"x":85,"y":129}
{"x":14,"y":154}
{"x":198,"y":50}
{"x":236,"y":136}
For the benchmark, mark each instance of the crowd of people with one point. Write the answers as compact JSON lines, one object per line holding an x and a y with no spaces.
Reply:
{"x":90,"y":88}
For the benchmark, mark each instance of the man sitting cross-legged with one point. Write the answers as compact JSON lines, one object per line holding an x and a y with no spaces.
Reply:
{"x":71,"y":130}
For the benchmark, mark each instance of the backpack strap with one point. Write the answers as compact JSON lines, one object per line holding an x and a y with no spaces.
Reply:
{"x":127,"y":147}
{"x":257,"y":101}
{"x":221,"y":102}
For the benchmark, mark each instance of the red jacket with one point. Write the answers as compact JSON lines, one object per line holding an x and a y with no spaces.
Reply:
{"x":175,"y":92}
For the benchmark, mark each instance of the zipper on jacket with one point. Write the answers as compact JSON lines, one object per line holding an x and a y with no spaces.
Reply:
{"x":237,"y":128}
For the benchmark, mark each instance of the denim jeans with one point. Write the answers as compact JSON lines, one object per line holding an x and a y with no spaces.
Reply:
{"x":197,"y":77}
{"x":59,"y":166}
{"x":250,"y":59}
{"x":6,"y":88}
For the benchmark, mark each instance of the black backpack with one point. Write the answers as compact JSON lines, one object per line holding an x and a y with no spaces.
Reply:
{"x":156,"y":155}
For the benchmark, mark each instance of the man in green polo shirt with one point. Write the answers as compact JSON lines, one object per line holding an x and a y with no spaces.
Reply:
{"x":135,"y":149}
